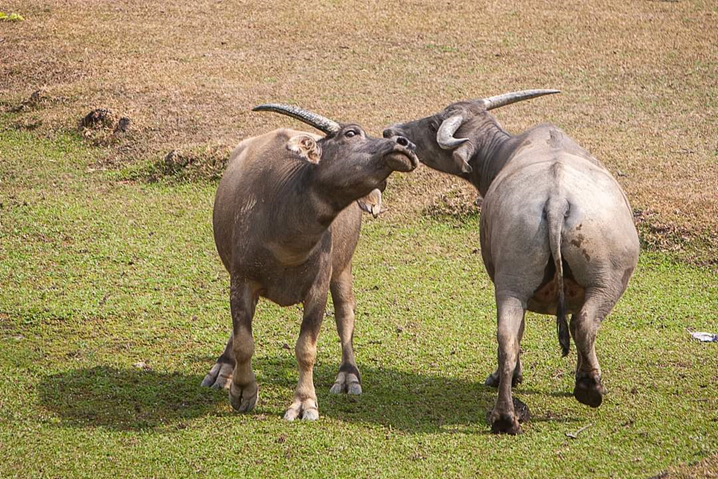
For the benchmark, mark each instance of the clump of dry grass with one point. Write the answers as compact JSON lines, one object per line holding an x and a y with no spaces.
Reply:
{"x":191,"y":163}
{"x":455,"y":203}
{"x":705,"y":469}
{"x":35,"y":99}
{"x":200,"y":163}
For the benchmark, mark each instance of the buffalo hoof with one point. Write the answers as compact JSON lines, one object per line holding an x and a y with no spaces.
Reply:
{"x":589,"y":391}
{"x":243,"y":398}
{"x":219,"y":377}
{"x":346,"y":383}
{"x":303,"y":409}
{"x":492,"y":380}
{"x":505,"y":423}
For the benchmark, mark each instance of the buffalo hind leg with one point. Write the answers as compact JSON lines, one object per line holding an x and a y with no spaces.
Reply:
{"x":220,"y":376}
{"x":493,"y":378}
{"x":348,"y":379}
{"x":243,"y":390}
{"x":588,"y":388}
{"x":503,"y":418}
{"x":304,"y":405}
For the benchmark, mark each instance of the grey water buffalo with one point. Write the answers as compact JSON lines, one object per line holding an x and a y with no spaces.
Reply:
{"x":556,"y":231}
{"x":286,"y":222}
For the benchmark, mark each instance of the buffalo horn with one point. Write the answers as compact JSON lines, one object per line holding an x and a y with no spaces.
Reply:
{"x":317,"y":121}
{"x":509,"y":98}
{"x":445,"y":135}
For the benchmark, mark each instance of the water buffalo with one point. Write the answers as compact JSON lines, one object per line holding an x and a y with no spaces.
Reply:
{"x":286,"y":222}
{"x":556,"y":229}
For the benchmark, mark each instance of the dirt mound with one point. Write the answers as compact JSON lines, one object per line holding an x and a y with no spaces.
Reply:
{"x":99,"y":118}
{"x":103,"y":127}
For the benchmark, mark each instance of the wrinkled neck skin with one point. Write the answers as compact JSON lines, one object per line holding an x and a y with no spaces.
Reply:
{"x":307,"y":207}
{"x":489,"y":141}
{"x":298,"y":219}
{"x":329,"y":201}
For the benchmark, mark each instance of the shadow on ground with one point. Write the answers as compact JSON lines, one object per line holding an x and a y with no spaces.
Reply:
{"x":135,"y":399}
{"x":125,"y":399}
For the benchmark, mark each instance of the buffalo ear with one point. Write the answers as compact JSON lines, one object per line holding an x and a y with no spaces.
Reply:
{"x":371,"y":203}
{"x":461,"y":155}
{"x":305,"y":146}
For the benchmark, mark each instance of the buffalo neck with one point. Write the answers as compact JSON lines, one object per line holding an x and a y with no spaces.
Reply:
{"x":308,"y":208}
{"x":303,"y":216}
{"x":488,"y":158}
{"x":328,"y":202}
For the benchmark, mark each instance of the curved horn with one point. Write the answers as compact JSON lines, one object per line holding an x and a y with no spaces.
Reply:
{"x":445,"y":135}
{"x":317,"y":121}
{"x":509,"y":98}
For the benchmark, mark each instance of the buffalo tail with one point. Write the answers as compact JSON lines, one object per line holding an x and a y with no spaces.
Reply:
{"x":556,"y":211}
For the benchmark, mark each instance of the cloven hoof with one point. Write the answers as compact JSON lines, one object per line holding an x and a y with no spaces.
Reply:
{"x":505,"y":424}
{"x":588,"y":391}
{"x":243,"y":399}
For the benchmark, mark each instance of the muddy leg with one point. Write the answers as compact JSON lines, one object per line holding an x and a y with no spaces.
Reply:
{"x":305,"y":404}
{"x":243,"y":390}
{"x":220,"y":376}
{"x":348,"y":379}
{"x":510,"y":316}
{"x":493,"y":378}
{"x":588,"y":389}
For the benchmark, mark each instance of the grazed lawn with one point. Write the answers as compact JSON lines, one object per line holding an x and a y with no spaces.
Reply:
{"x":99,"y":275}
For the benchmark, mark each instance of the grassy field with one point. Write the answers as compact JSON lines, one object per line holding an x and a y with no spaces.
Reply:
{"x":114,"y":304}
{"x":101,"y":276}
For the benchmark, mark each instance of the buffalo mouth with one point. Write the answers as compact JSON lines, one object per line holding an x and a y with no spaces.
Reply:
{"x":402,"y":159}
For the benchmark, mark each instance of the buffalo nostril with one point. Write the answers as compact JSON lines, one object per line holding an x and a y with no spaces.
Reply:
{"x":402,"y":141}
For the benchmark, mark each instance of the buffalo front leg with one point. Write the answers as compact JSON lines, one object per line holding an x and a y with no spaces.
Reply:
{"x":304,"y":405}
{"x":243,"y":390}
{"x":220,"y":376}
{"x":589,"y":389}
{"x":503,"y":418}
{"x":348,"y":379}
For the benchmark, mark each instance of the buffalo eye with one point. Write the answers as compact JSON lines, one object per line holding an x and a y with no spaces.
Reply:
{"x":350,"y":133}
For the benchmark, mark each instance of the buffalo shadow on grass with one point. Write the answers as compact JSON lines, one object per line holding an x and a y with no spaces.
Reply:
{"x":126,"y":399}
{"x":136,"y":399}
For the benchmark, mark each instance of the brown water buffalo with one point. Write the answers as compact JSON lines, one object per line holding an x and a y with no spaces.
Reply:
{"x":286,"y":222}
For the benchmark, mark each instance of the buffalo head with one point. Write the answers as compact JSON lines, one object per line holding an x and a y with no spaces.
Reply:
{"x":347,"y":161}
{"x":447,"y":140}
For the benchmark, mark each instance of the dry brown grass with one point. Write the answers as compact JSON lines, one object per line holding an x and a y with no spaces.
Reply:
{"x":639,"y":80}
{"x":706,"y":469}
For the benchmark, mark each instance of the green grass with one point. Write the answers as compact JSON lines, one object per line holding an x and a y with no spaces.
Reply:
{"x":99,"y":274}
